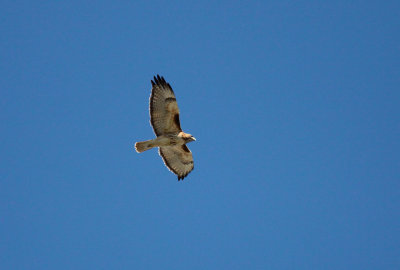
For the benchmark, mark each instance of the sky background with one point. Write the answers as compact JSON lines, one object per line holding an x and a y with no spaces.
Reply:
{"x":295,"y":106}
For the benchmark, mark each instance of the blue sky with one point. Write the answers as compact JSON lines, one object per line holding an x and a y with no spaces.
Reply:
{"x":294,"y":105}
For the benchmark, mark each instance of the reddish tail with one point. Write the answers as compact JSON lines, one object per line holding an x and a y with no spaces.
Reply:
{"x":143,"y":146}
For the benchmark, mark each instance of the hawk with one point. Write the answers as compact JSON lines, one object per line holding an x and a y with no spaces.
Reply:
{"x":171,"y":140}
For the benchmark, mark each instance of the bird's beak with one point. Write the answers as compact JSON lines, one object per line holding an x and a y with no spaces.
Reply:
{"x":193,"y":138}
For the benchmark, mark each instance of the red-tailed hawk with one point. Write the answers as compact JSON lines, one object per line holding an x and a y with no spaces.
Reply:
{"x":171,"y":140}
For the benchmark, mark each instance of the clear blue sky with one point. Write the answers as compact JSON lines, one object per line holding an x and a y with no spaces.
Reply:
{"x":295,"y":106}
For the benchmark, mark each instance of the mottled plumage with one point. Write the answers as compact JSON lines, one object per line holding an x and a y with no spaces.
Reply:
{"x":171,"y":140}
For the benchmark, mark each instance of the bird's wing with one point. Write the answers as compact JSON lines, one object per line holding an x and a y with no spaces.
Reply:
{"x":164,"y":111}
{"x":178,"y":159}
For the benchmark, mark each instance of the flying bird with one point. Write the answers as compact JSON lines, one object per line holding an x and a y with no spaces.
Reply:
{"x":171,"y":140}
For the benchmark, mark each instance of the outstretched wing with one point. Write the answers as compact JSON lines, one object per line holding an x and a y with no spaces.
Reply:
{"x":164,"y":111}
{"x":178,"y":159}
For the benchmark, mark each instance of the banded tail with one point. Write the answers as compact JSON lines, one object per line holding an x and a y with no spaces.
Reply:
{"x":143,"y":146}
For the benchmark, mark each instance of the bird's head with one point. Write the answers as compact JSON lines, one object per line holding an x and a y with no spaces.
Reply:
{"x":190,"y":138}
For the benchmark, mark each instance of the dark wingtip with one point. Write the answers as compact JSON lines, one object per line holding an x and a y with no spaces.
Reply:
{"x":159,"y":80}
{"x":181,"y":177}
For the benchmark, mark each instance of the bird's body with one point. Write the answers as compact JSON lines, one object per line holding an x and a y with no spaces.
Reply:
{"x":163,"y":140}
{"x":171,"y":140}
